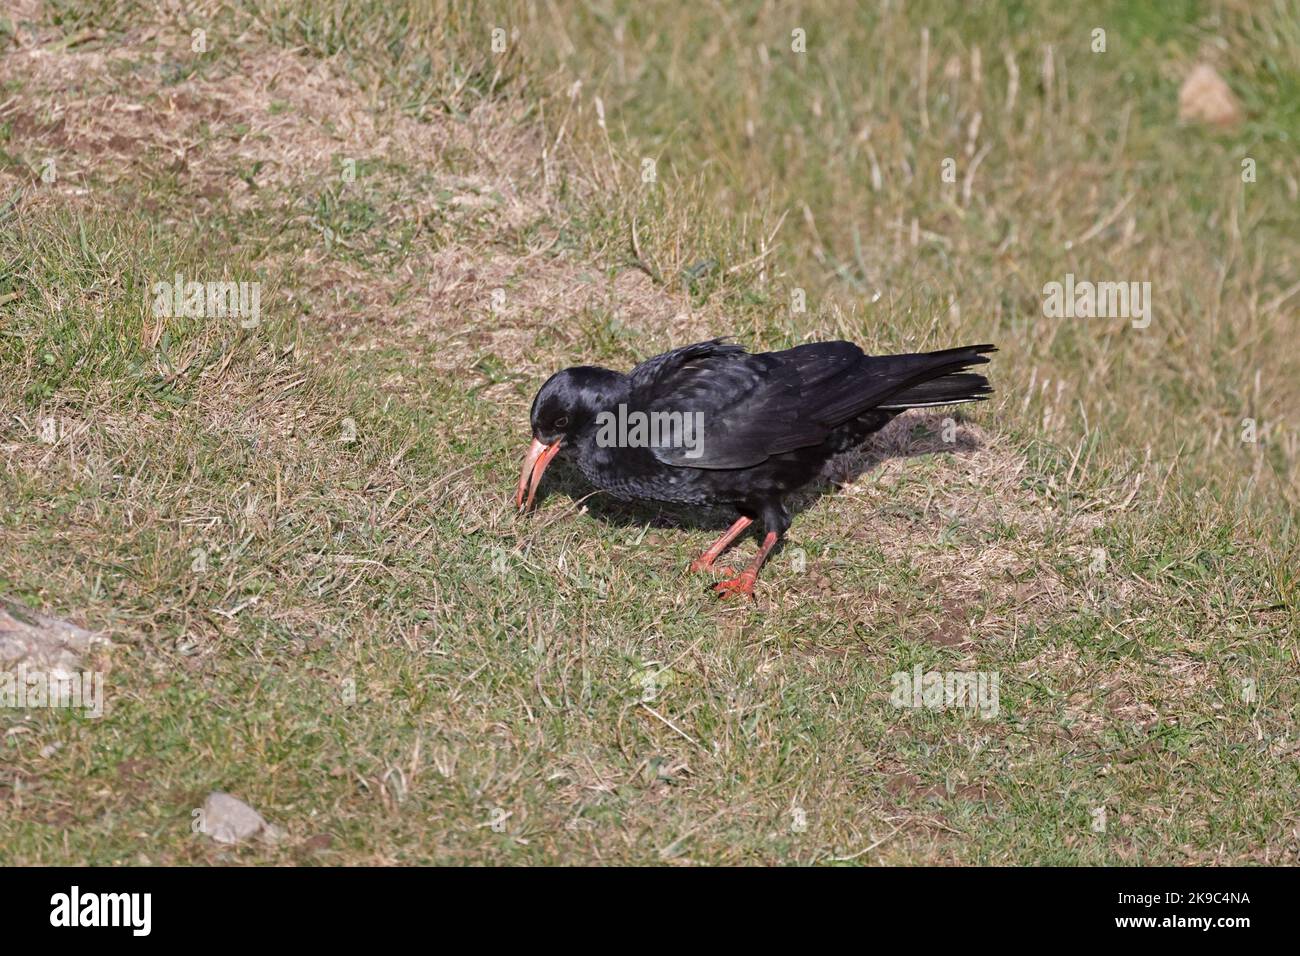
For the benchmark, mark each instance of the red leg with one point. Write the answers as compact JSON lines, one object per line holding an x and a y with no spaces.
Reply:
{"x":705,"y":561}
{"x":744,"y":584}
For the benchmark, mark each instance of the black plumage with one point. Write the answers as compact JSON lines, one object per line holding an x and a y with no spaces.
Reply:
{"x":765,"y":424}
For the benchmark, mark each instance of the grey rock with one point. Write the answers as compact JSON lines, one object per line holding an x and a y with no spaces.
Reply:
{"x":39,"y":642}
{"x":230,"y":820}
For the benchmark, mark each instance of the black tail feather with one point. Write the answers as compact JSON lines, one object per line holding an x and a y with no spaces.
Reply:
{"x":949,"y":390}
{"x":945,"y":381}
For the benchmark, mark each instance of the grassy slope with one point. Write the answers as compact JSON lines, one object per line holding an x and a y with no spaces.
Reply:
{"x":499,"y":665}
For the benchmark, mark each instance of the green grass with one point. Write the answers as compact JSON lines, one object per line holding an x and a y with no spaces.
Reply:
{"x":300,"y":536}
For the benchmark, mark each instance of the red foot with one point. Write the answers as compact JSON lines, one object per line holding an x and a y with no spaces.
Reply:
{"x":705,"y":561}
{"x":700,"y":566}
{"x":741,"y":584}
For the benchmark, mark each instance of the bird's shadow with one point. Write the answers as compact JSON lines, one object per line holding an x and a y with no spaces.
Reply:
{"x":909,"y":435}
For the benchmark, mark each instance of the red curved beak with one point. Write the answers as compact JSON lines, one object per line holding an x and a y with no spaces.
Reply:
{"x":535,"y":462}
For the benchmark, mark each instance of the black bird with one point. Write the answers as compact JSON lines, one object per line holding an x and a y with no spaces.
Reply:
{"x":712,"y":424}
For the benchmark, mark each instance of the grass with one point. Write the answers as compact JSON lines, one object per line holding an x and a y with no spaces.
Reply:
{"x":300,"y":535}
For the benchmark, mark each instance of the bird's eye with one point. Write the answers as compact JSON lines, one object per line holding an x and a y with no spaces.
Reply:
{"x":562,"y":421}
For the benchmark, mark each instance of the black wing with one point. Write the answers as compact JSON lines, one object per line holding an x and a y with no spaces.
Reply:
{"x":751,"y":407}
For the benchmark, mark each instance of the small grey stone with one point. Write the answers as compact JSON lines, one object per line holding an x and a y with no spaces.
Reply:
{"x":230,"y":820}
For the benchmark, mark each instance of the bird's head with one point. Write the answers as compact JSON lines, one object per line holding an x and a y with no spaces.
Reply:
{"x":565,"y":407}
